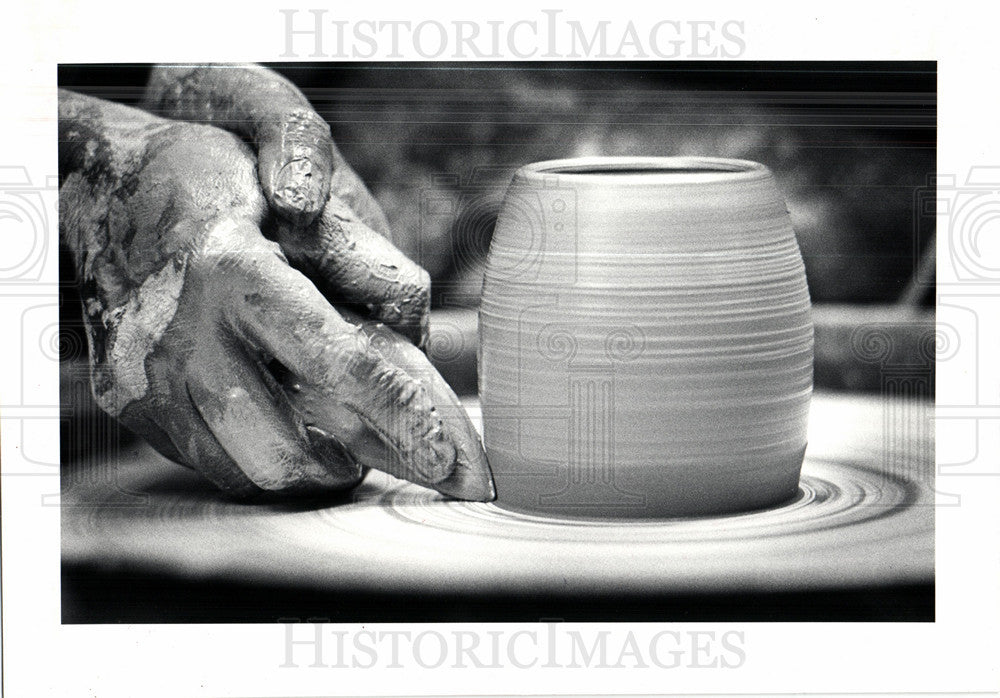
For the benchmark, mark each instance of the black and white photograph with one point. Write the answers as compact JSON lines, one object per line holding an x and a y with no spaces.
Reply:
{"x":401,"y":351}
{"x":688,"y":307}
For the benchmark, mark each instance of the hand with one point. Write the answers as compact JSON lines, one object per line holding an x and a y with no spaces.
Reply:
{"x":295,"y":151}
{"x":205,"y":341}
{"x":304,"y":177}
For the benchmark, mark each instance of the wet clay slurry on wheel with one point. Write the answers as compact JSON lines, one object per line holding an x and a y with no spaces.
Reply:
{"x":862,"y":517}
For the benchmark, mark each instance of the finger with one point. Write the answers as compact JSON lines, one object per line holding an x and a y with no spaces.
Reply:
{"x":186,"y":439}
{"x":294,"y":146}
{"x":256,"y":427}
{"x":471,"y":478}
{"x":295,"y":164}
{"x":275,"y":308}
{"x":140,"y":424}
{"x":352,"y":264}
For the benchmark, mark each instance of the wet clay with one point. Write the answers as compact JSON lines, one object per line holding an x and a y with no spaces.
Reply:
{"x":188,"y":305}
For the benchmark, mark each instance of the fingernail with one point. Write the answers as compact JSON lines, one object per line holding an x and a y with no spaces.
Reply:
{"x":470,"y":482}
{"x":332,"y":453}
{"x":437,"y":457}
{"x":471,"y":478}
{"x":297,"y":190}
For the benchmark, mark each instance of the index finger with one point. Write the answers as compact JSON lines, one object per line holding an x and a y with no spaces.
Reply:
{"x":277,"y":309}
{"x":353,"y":264}
{"x":472,"y":478}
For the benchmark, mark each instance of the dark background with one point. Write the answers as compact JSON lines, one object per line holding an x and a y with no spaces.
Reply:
{"x":852,"y":145}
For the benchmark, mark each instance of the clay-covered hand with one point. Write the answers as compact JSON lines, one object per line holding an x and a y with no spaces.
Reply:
{"x":293,"y":142}
{"x":205,"y":340}
{"x":303,"y":175}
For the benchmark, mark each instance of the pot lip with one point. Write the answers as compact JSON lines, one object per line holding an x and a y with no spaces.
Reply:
{"x":659,"y":170}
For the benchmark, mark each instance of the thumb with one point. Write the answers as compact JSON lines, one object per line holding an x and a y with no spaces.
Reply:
{"x":295,"y":163}
{"x":294,"y":145}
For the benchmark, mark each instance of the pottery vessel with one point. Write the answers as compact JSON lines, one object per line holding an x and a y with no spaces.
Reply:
{"x":646,"y":345}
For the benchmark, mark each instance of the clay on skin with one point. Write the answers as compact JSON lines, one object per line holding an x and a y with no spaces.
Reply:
{"x":187,"y":303}
{"x":301,"y":169}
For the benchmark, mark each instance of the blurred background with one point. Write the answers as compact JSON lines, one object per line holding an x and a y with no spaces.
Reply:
{"x":852,"y":145}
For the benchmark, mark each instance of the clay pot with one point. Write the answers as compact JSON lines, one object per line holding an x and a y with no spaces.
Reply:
{"x":646,"y":345}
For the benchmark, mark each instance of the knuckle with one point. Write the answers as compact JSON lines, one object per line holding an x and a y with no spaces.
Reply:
{"x":303,"y":120}
{"x":230,"y":254}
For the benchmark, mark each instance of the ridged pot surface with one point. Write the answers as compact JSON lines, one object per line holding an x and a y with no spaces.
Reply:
{"x":645,"y":339}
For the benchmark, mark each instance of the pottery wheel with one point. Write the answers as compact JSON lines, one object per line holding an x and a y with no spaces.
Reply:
{"x":863,"y":516}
